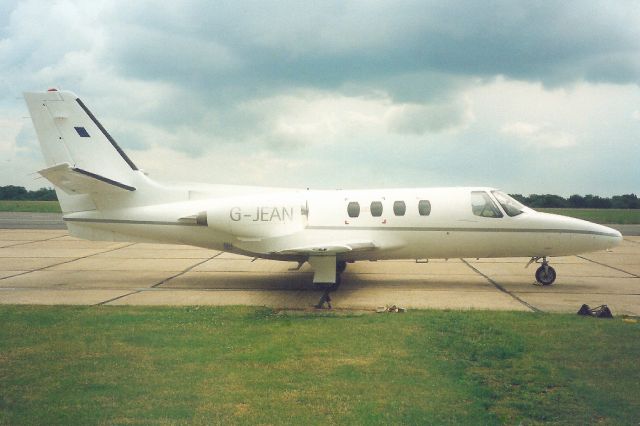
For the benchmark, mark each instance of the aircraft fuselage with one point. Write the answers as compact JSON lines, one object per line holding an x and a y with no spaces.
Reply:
{"x":274,"y":223}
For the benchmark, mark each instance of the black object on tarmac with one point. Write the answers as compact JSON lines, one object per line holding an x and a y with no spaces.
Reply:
{"x":601,"y":311}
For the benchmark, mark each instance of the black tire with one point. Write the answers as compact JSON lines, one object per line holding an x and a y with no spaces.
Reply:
{"x":546,"y":277}
{"x":341,"y":265}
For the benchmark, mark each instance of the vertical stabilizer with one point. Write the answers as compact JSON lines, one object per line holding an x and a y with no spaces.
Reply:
{"x":78,"y":148}
{"x":70,"y":133}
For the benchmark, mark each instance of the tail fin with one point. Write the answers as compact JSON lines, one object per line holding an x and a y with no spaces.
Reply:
{"x":81,"y":156}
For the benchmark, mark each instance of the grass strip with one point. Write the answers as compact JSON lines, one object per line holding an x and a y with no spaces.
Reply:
{"x":603,"y":216}
{"x":243,"y":365}
{"x":30,"y":206}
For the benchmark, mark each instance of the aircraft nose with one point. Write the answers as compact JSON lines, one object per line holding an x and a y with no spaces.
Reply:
{"x":616,"y":235}
{"x":607,"y":237}
{"x":586,"y":236}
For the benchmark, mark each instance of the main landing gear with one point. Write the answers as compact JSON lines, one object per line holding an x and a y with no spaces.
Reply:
{"x":341,"y":265}
{"x":545,"y":274}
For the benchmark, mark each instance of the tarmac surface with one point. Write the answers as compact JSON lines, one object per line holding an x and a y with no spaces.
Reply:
{"x":24,"y":220}
{"x":49,"y":267}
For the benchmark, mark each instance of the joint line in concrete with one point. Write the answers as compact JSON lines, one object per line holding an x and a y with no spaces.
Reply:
{"x":501,"y":288}
{"x":166,"y":280}
{"x":609,"y":266}
{"x":31,"y":242}
{"x":116,"y":298}
{"x":65,"y":262}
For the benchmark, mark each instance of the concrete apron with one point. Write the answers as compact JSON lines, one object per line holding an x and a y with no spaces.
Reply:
{"x":49,"y":267}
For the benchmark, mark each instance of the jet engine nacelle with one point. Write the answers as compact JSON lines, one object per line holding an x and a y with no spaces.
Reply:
{"x":259,"y":217}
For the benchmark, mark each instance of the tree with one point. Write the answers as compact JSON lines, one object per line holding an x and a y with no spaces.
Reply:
{"x":43,"y":194}
{"x":597,"y":202}
{"x":577,"y":201}
{"x":626,"y":201}
{"x":546,"y":201}
{"x":11,"y":192}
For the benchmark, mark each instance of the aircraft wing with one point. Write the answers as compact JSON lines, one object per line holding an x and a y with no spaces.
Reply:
{"x":77,"y":181}
{"x":330,"y":248}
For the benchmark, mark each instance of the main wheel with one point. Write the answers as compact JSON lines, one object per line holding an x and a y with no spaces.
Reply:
{"x":341,"y":265}
{"x":546,"y":277}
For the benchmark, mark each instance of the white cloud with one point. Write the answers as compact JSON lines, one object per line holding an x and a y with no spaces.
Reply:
{"x":539,"y":135}
{"x":224,"y":165}
{"x":431,"y":118}
{"x":9,"y":130}
{"x":316,"y":117}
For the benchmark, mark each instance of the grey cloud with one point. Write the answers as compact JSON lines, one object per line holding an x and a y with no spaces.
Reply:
{"x":209,"y":59}
{"x":264,"y":46}
{"x":221,"y":54}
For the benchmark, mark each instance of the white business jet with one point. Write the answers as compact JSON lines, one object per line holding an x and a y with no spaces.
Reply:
{"x":104,"y":196}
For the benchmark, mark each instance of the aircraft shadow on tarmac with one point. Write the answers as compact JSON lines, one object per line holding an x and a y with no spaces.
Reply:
{"x":302,"y":281}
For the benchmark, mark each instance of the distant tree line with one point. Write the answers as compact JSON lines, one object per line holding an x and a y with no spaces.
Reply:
{"x":627,"y":201}
{"x":11,"y":192}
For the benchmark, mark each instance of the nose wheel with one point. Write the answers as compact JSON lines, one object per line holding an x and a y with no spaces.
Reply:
{"x":545,"y":274}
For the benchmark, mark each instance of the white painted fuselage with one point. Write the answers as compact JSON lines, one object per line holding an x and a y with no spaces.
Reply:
{"x":105,"y":197}
{"x":288,"y":225}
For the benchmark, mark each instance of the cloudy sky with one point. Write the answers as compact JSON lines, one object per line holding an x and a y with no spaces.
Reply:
{"x":530,"y":97}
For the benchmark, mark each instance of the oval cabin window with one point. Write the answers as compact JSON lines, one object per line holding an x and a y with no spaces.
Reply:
{"x":353,"y":209}
{"x":376,"y":208}
{"x":399,"y":208}
{"x":424,"y":207}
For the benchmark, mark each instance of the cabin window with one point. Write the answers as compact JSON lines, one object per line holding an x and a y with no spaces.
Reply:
{"x":399,"y":208}
{"x":376,"y":208}
{"x":353,"y":209}
{"x":482,"y":205}
{"x":424,"y":207}
{"x":510,"y":206}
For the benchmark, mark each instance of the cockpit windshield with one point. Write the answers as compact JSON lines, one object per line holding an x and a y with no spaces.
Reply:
{"x":510,"y":206}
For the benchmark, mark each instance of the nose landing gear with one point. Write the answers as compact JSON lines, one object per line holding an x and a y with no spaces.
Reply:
{"x":545,"y":274}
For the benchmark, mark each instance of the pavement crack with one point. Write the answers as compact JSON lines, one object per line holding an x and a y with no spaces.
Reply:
{"x":609,"y":266}
{"x":166,"y":280}
{"x":116,"y":298}
{"x":65,"y":262}
{"x":501,"y":288}
{"x":31,"y":241}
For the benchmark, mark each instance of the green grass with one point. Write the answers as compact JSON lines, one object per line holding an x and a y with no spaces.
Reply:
{"x":29,"y":206}
{"x":613,"y":216}
{"x":131,"y":365}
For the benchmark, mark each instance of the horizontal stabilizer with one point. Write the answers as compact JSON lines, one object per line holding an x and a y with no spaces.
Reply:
{"x":331,"y":248}
{"x":78,"y":181}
